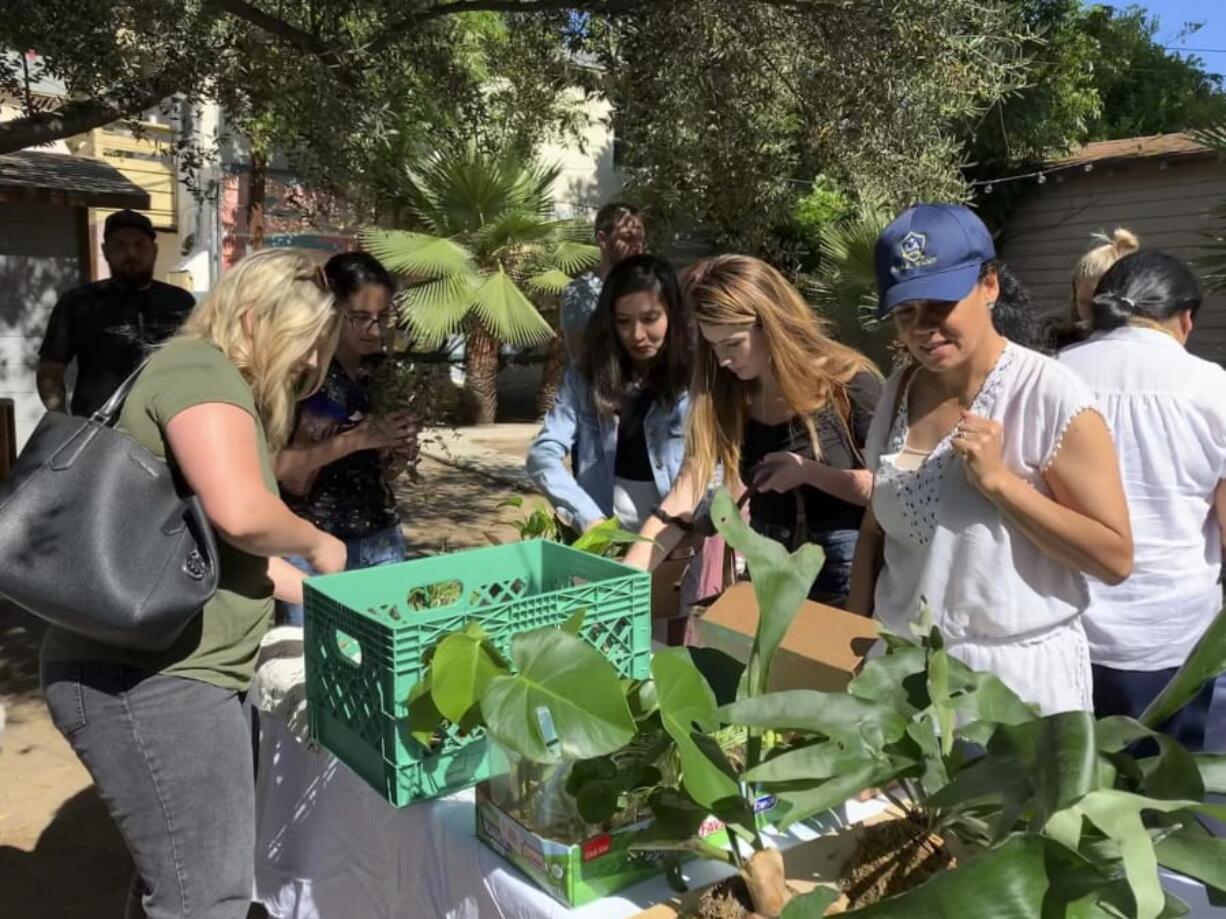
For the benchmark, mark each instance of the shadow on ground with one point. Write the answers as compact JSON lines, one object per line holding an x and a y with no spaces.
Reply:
{"x":39,"y":884}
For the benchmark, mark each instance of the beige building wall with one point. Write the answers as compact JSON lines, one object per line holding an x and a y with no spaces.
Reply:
{"x":588,"y":178}
{"x":1167,"y":203}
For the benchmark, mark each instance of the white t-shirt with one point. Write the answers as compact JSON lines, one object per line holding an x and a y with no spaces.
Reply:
{"x":1003,"y":606}
{"x":1167,"y":411}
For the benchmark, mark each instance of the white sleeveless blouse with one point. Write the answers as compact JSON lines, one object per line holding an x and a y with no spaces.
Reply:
{"x":1003,"y":606}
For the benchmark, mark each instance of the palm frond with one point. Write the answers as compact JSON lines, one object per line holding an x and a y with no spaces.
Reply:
{"x":512,"y":228}
{"x":1214,"y":137}
{"x":552,"y":281}
{"x":437,"y":309}
{"x":573,"y":257}
{"x":456,"y":192}
{"x":507,"y":313}
{"x":418,"y":255}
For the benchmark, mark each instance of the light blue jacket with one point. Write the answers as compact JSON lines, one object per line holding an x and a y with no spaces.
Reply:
{"x":573,"y":427}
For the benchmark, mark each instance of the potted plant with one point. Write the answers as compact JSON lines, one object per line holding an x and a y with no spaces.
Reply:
{"x":1000,"y":812}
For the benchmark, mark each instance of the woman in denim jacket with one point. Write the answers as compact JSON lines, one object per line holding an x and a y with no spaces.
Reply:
{"x":621,"y":412}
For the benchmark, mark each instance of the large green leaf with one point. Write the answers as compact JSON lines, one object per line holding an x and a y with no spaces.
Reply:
{"x":688,"y":705}
{"x":418,"y":255}
{"x":1066,"y":762}
{"x":781,"y":582}
{"x":507,"y":313}
{"x":819,"y":761}
{"x":895,"y":679}
{"x":1025,"y":877}
{"x":1117,"y":814}
{"x":463,"y":665}
{"x":578,"y":687}
{"x":1212,"y":769}
{"x":851,"y":721}
{"x":801,"y":803}
{"x":1196,"y":854}
{"x":1206,"y":662}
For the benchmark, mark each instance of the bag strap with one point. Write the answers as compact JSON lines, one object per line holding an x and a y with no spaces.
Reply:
{"x":108,"y":414}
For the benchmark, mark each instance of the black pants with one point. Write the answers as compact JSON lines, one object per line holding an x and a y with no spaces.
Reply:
{"x":1128,"y":692}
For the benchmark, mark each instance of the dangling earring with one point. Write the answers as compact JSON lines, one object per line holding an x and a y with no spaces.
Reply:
{"x":991,"y":305}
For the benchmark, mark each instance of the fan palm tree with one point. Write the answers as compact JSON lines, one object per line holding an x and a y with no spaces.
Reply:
{"x":488,"y":244}
{"x":844,"y":287}
{"x":1213,"y":262}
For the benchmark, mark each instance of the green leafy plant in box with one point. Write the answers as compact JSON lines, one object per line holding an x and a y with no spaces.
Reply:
{"x":998,"y":811}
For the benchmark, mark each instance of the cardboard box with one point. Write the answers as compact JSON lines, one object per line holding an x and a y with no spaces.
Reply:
{"x":822,"y":650}
{"x":578,"y":873}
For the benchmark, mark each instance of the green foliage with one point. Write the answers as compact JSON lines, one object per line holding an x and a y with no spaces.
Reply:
{"x":1095,"y":72}
{"x":725,"y":110}
{"x":558,"y":698}
{"x":844,"y":286}
{"x":488,"y":242}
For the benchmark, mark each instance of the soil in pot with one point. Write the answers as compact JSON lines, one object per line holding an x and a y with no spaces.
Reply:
{"x":892,"y":857}
{"x":729,"y":899}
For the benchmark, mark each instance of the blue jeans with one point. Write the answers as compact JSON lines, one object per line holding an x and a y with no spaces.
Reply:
{"x":834,"y":581}
{"x":385,"y":547}
{"x":171,"y":758}
{"x":1129,"y":692}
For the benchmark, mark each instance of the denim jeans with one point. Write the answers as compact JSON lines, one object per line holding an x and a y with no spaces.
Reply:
{"x":171,"y":758}
{"x":1129,"y":692}
{"x":385,"y":547}
{"x":834,"y":581}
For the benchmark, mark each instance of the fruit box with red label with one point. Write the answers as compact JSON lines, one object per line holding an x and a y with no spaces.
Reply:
{"x":578,"y":873}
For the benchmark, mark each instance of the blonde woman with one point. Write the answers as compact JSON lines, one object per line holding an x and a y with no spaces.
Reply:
{"x":164,"y":735}
{"x":783,"y":409}
{"x":1086,"y":274}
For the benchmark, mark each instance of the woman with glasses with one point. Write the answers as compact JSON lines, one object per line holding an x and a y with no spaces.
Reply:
{"x":332,"y":471}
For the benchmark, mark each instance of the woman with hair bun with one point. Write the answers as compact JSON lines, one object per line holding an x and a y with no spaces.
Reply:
{"x":1166,"y":411}
{"x":1072,"y":328}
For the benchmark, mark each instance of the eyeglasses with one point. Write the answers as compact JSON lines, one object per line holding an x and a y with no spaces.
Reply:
{"x":365,"y":322}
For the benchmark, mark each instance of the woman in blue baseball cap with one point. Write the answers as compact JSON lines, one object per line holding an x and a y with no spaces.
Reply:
{"x":997,"y":487}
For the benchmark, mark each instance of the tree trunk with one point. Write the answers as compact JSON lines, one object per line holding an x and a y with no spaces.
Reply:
{"x":551,"y":376}
{"x":257,"y":191}
{"x":481,"y":370}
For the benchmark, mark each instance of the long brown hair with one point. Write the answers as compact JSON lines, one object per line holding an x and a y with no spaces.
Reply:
{"x":604,"y":363}
{"x":811,"y":370}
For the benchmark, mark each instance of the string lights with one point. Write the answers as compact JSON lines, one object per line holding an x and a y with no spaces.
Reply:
{"x":1039,"y":176}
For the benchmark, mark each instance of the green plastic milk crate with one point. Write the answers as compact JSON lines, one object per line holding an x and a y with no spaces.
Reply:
{"x":367,"y":632}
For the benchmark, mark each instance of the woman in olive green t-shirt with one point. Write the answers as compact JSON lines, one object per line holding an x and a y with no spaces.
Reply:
{"x":164,"y":736}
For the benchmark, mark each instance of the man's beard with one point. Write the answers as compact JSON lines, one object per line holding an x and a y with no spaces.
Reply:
{"x":133,"y":277}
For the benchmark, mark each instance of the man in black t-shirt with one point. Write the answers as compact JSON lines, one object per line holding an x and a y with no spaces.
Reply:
{"x":108,"y":326}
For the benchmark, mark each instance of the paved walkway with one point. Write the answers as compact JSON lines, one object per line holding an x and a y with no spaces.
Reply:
{"x":496,"y":451}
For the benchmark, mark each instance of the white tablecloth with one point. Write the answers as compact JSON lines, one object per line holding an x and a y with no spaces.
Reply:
{"x":329,"y":847}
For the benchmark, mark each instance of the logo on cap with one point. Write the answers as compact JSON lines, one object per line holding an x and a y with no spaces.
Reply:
{"x":914,"y":250}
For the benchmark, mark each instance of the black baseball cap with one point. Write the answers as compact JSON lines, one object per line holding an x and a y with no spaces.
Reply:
{"x":128,"y":220}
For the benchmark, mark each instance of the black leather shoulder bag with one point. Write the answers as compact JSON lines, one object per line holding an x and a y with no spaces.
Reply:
{"x":100,"y":537}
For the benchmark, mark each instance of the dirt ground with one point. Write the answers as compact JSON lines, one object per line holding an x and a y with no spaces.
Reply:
{"x":60,"y":855}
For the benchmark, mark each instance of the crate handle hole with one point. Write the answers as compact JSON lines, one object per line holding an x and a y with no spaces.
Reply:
{"x":347,"y":645}
{"x":434,"y":596}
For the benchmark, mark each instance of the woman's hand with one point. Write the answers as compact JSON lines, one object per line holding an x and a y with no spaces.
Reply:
{"x":395,"y":431}
{"x":329,"y":555}
{"x":780,"y":472}
{"x":980,"y":443}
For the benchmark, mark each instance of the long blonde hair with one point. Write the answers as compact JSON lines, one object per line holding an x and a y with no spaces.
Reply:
{"x":267,"y":314}
{"x":811,"y":370}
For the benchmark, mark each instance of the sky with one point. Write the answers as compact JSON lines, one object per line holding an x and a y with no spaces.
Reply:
{"x":1174,"y":13}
